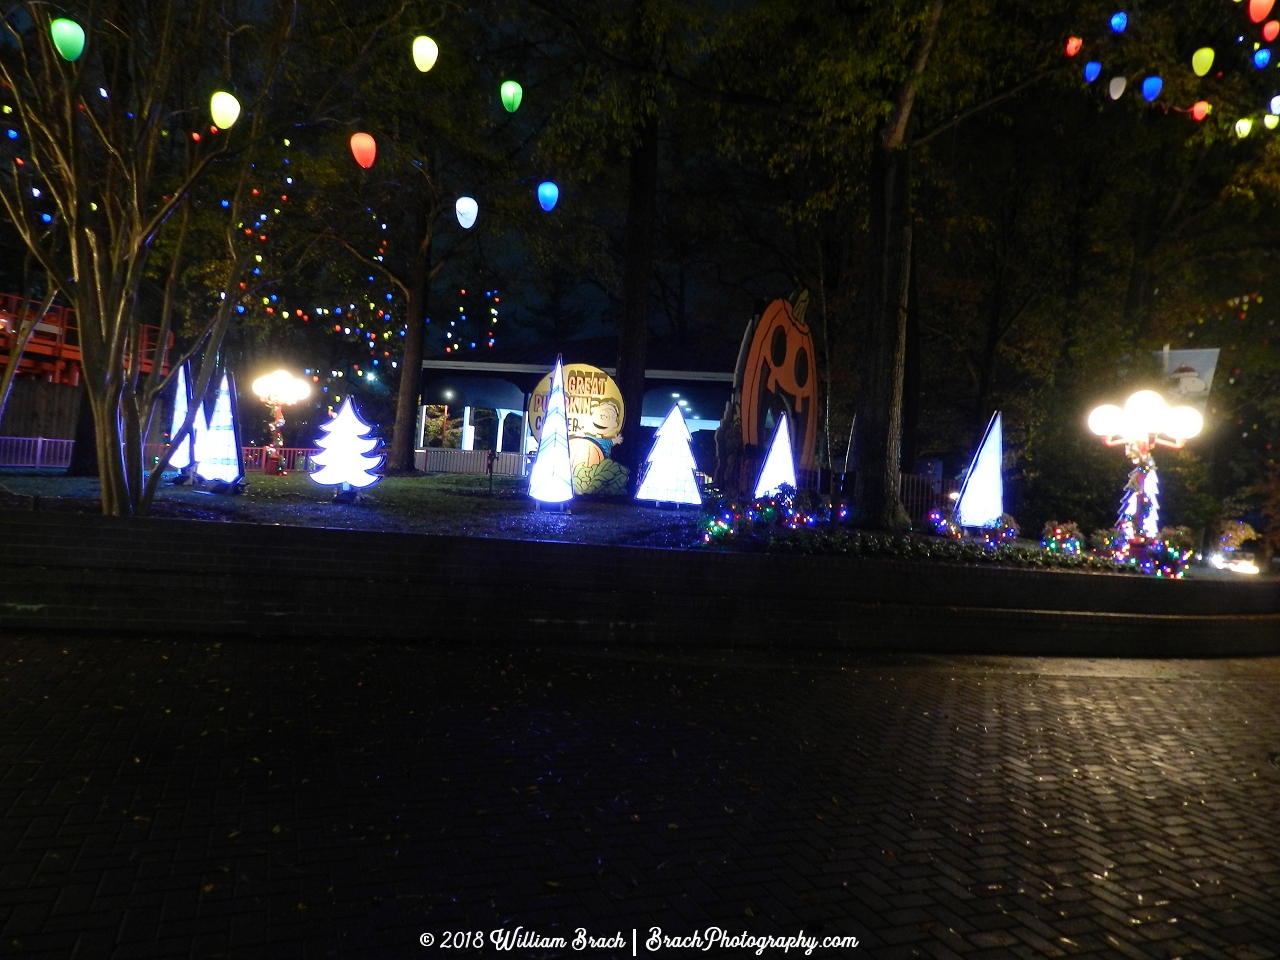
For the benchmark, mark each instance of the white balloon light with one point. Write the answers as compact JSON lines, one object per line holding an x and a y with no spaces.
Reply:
{"x":225,"y":110}
{"x":1183,"y":423}
{"x":425,"y":53}
{"x":467,"y":210}
{"x":1106,"y":420}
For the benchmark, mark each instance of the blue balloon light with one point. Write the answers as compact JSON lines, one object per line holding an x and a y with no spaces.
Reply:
{"x":1119,"y":21}
{"x":548,"y":195}
{"x":1261,"y":58}
{"x":1092,"y":70}
{"x":1151,"y":88}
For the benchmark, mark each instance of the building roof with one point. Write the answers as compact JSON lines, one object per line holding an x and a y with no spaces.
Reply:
{"x":665,"y":360}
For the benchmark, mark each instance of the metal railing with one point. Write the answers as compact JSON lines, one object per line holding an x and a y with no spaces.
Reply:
{"x":449,"y":460}
{"x":38,"y":452}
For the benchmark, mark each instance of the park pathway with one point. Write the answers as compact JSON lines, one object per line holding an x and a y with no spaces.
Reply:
{"x":181,"y":798}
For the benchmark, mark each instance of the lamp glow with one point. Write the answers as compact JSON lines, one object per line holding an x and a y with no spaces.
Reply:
{"x":425,"y":53}
{"x":1119,"y":21}
{"x":1092,"y":70}
{"x":1202,"y":61}
{"x":365,"y":149}
{"x":225,"y":110}
{"x":981,"y":501}
{"x":779,"y":467}
{"x":551,"y":477}
{"x":345,"y":446}
{"x":466,"y":210}
{"x":1260,"y":9}
{"x":1073,"y":46}
{"x":1116,"y":88}
{"x":1151,"y":88}
{"x":1244,"y":127}
{"x":548,"y":195}
{"x":68,"y":38}
{"x":669,"y":473}
{"x":281,"y":387}
{"x":1261,"y":58}
{"x":1200,"y":109}
{"x":512,"y":93}
{"x":1271,"y":30}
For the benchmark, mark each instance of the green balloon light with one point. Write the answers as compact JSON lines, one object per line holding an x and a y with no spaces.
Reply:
{"x":68,"y":38}
{"x":225,"y":110}
{"x":511,"y":95}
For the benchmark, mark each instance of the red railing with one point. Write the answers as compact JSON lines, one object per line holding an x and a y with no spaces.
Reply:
{"x":288,"y":459}
{"x":53,"y":352}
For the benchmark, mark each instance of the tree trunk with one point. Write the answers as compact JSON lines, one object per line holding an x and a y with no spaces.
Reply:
{"x":883,"y":360}
{"x":913,"y":375}
{"x":633,"y":332}
{"x":400,"y":458}
{"x":84,"y":455}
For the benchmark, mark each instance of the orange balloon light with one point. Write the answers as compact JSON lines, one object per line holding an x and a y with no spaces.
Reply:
{"x":1259,"y":9}
{"x":1200,"y":110}
{"x":365,"y":149}
{"x":1073,"y":46}
{"x":1270,"y":30}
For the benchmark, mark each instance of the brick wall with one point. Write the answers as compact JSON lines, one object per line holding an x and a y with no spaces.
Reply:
{"x":91,"y":573}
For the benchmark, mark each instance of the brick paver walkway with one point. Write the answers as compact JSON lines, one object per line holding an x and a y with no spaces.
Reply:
{"x":187,"y":799}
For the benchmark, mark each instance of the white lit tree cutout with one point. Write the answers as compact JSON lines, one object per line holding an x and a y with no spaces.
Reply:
{"x":344,"y":458}
{"x":551,"y":479}
{"x":218,"y":447}
{"x":181,"y":457}
{"x":780,"y":465}
{"x":981,"y":502}
{"x":668,"y":476}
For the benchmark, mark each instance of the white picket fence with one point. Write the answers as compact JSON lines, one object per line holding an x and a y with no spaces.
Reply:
{"x":35,"y":452}
{"x":448,"y":460}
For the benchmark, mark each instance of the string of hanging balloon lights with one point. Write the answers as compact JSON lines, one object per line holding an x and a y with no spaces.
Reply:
{"x":69,"y":40}
{"x":1202,"y":61}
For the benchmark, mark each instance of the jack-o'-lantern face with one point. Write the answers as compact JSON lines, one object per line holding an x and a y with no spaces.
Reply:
{"x":780,"y":378}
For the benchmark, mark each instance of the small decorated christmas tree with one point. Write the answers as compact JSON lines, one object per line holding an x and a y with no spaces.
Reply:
{"x":668,"y":476}
{"x":218,"y":448}
{"x":344,"y":461}
{"x":551,"y":479}
{"x":181,"y":457}
{"x":779,"y":468}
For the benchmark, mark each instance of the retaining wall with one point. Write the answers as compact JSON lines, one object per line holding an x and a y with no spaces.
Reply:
{"x":92,"y":573}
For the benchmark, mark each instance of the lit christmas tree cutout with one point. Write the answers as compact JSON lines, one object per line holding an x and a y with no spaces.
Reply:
{"x":551,"y":479}
{"x":344,"y":460}
{"x":218,"y":458}
{"x":669,"y":473}
{"x":981,"y":502}
{"x":182,"y":454}
{"x":779,"y":465}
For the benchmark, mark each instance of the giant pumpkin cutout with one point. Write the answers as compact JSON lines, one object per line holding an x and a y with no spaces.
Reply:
{"x":780,"y":377}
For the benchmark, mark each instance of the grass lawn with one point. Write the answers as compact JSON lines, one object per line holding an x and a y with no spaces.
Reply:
{"x":452,"y":504}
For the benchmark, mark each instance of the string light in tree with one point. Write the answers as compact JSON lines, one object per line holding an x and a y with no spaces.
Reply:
{"x":365,"y":149}
{"x":511,"y":93}
{"x":225,"y":110}
{"x":425,"y":53}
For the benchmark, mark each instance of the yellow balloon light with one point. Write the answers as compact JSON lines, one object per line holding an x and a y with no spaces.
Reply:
{"x":1243,"y":127}
{"x":425,"y":53}
{"x":1202,"y":61}
{"x":225,"y":109}
{"x":1106,"y":420}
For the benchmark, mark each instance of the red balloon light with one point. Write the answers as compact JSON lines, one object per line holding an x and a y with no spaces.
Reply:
{"x":1200,"y":110}
{"x":1073,"y":46}
{"x":365,"y":149}
{"x":1270,"y":30}
{"x":1258,"y":9}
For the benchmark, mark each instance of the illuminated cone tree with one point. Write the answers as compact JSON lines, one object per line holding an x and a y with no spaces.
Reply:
{"x":218,"y":447}
{"x":779,"y":468}
{"x":345,"y":446}
{"x":181,"y":457}
{"x":551,"y":479}
{"x":669,"y":476}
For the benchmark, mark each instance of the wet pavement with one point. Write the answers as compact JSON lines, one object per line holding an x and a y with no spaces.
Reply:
{"x":173,"y":798}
